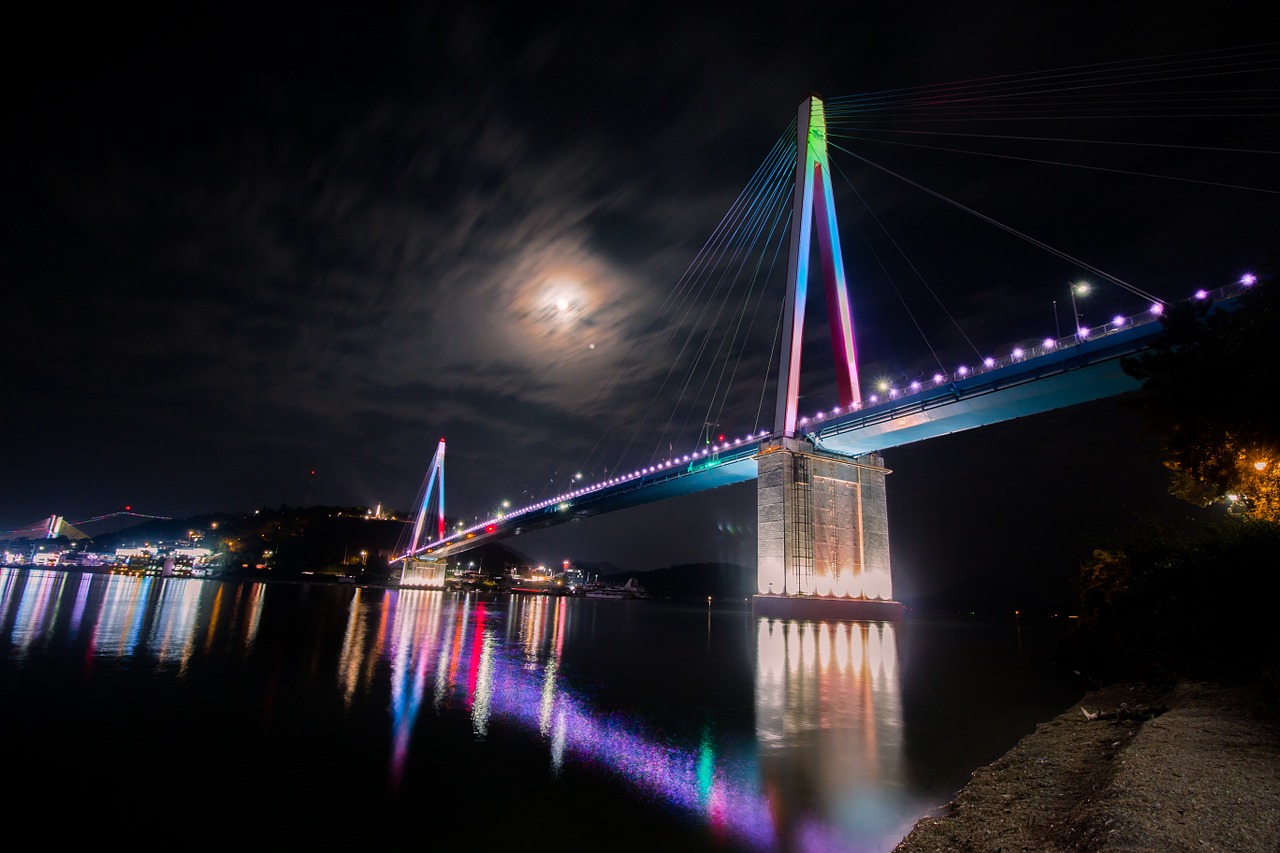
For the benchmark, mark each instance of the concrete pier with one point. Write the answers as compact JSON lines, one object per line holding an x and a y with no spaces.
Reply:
{"x":823,"y":534}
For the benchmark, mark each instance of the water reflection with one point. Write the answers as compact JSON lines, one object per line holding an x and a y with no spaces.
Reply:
{"x":822,"y":771}
{"x":830,"y":729}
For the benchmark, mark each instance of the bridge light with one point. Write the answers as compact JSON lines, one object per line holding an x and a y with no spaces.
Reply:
{"x":1017,"y":352}
{"x":1157,"y":309}
{"x":989,"y":361}
{"x":1117,"y":321}
{"x":1202,"y":294}
{"x":1048,"y":343}
{"x":1248,"y":279}
{"x":937,"y":377}
{"x":962,"y":370}
{"x":874,"y":398}
{"x":915,"y":386}
{"x":1083,"y":332}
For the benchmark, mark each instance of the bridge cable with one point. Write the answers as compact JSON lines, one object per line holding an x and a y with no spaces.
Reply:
{"x":937,"y":359}
{"x":1069,"y":165}
{"x":1039,"y":243}
{"x":746,"y":236}
{"x":843,"y":105}
{"x":686,"y":288}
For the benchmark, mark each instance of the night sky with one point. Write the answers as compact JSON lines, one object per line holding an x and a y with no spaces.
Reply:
{"x":243,"y":244}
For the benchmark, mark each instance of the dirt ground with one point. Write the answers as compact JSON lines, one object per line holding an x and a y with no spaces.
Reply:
{"x":1129,"y":768}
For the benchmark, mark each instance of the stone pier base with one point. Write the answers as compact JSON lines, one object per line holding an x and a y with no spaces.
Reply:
{"x":818,"y":608}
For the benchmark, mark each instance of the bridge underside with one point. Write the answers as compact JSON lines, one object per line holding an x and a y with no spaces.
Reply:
{"x":1065,"y":378}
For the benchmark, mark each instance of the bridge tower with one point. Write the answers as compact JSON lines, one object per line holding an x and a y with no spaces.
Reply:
{"x":822,"y":516}
{"x":418,"y":570}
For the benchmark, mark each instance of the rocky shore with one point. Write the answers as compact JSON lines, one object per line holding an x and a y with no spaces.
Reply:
{"x":1131,"y":767}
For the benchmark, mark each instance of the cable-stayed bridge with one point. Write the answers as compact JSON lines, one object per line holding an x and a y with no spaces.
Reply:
{"x":821,"y":509}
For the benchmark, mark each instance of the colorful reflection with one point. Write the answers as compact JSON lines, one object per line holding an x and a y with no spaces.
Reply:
{"x":124,"y":616}
{"x":453,"y":653}
{"x":830,"y":728}
{"x":824,"y":771}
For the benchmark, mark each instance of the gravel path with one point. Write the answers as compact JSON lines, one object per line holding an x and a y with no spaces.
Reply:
{"x":1127,"y":769}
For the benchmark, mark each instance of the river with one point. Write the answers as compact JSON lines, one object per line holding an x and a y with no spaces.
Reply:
{"x":167,"y":711}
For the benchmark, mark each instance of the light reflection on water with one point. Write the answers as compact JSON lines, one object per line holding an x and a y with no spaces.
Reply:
{"x":817,"y":765}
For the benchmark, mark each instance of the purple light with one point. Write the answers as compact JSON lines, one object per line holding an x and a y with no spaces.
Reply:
{"x":963,"y":371}
{"x":1157,"y":309}
{"x":1117,"y":320}
{"x":1082,"y":332}
{"x":1048,"y":343}
{"x":803,"y":421}
{"x":874,"y":398}
{"x":1202,"y":294}
{"x":989,"y":361}
{"x":1248,"y":279}
{"x":937,"y":377}
{"x":915,"y":386}
{"x":1017,"y":352}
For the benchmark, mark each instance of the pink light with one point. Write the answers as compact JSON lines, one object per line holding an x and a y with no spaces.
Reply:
{"x":1082,"y":332}
{"x":963,"y":371}
{"x":1048,"y":343}
{"x":874,"y":398}
{"x":937,"y":377}
{"x":989,"y":361}
{"x":915,"y":386}
{"x":1017,"y":352}
{"x":1117,"y":320}
{"x":1248,"y":279}
{"x":1201,"y":294}
{"x":1157,"y":309}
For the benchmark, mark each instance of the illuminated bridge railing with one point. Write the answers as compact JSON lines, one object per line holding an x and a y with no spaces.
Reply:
{"x":892,"y":401}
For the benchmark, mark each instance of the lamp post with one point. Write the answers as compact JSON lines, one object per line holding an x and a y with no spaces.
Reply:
{"x":1081,"y":288}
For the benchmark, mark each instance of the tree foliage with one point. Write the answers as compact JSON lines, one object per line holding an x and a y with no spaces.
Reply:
{"x":1207,"y":382}
{"x":1163,"y":601}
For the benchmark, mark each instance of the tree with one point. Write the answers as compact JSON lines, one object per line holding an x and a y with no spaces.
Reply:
{"x":1206,"y":385}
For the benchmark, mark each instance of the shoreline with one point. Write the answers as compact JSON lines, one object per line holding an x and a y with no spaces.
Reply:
{"x":1128,"y":767}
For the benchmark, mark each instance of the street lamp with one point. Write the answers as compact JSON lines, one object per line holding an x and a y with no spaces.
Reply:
{"x":1082,"y":288}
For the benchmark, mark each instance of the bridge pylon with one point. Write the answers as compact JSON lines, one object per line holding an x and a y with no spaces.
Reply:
{"x":418,"y":570}
{"x":822,"y":517}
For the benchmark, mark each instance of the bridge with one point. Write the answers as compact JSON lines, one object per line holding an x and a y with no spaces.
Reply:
{"x":821,"y":507}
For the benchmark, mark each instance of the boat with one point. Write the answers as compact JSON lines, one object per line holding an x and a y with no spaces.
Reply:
{"x":630,"y":589}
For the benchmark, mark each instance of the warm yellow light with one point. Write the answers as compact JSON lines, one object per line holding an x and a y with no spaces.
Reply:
{"x":1261,"y":465}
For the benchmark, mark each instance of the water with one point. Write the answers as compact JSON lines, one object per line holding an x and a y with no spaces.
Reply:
{"x":163,"y":712}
